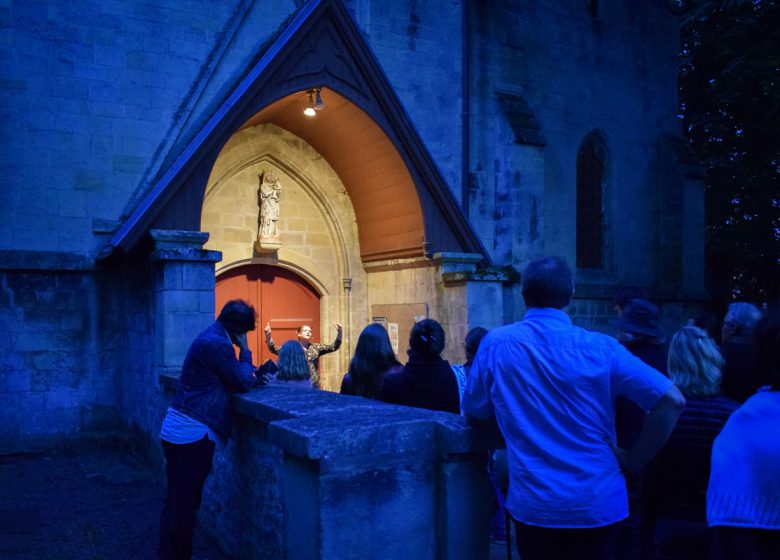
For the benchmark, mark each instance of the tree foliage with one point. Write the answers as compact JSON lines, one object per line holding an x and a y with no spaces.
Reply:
{"x":729,"y":103}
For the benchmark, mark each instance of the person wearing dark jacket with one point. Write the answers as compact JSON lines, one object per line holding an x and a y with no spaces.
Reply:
{"x":679,"y":487}
{"x":644,"y":338}
{"x":426,"y":380}
{"x":199,"y":417}
{"x":740,"y":377}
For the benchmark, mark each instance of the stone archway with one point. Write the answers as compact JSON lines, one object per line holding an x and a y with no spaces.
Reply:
{"x":318,"y":232}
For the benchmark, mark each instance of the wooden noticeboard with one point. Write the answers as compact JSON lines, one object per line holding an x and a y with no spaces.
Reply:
{"x":398,"y":319}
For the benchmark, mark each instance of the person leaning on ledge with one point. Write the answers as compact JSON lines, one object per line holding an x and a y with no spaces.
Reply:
{"x":550,"y":386}
{"x":200,"y":417}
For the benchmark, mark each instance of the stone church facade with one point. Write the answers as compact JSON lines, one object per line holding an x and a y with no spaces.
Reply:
{"x":455,"y":142}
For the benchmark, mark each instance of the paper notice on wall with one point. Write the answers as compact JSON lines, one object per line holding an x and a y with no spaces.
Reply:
{"x":392,"y":331}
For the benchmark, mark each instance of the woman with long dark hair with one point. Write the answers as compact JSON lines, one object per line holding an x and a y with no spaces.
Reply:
{"x":293,"y":366}
{"x":374,"y":358}
{"x":427,"y":380}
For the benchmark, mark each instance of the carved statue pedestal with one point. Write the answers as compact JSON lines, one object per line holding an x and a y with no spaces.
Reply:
{"x":267,"y":244}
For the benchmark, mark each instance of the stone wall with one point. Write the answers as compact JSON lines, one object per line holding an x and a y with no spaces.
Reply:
{"x":169,"y":299}
{"x":544,"y":76}
{"x":137,"y":379}
{"x":100,"y":96}
{"x":419,"y":45}
{"x":311,"y":474}
{"x":596,"y":311}
{"x":58,"y":351}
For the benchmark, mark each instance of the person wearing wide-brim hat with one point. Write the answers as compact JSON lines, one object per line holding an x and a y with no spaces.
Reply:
{"x":640,"y":317}
{"x":642,"y":336}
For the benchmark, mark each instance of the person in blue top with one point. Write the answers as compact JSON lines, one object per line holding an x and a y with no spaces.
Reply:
{"x":550,"y":387}
{"x":199,"y":417}
{"x":743,"y":495}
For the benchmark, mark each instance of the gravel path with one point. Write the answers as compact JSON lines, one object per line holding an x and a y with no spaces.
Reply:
{"x":85,"y":504}
{"x":91,"y":503}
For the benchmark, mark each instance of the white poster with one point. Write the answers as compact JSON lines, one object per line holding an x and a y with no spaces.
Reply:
{"x":392,"y":330}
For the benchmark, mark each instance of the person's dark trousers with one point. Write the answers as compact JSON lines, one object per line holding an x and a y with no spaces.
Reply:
{"x":629,"y":540}
{"x":187,"y":466}
{"x":743,"y":543}
{"x":636,"y":539}
{"x":543,"y":543}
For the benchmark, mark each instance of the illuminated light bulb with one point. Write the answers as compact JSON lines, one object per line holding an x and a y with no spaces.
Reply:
{"x":309,"y":111}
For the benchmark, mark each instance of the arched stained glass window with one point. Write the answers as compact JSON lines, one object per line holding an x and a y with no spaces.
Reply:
{"x":591,"y":171}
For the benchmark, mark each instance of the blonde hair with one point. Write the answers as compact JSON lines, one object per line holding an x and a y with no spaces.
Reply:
{"x":694,"y":362}
{"x":292,"y":362}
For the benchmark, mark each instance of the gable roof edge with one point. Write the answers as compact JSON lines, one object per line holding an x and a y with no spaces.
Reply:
{"x":120,"y":238}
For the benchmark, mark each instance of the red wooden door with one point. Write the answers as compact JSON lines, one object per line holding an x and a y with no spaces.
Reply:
{"x":280,"y":297}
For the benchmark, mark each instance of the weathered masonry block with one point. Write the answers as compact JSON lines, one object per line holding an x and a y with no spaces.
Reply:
{"x":184,"y":292}
{"x":317,"y":475}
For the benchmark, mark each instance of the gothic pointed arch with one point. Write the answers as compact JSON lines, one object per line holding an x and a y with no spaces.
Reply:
{"x":592,"y":162}
{"x":322,"y":47}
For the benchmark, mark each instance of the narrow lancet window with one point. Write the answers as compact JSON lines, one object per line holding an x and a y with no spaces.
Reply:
{"x":591,"y":163}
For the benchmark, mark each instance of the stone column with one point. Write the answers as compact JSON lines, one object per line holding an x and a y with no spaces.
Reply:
{"x":472,"y":297}
{"x":183,"y":293}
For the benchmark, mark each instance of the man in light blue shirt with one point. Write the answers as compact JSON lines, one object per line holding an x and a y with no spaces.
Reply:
{"x":551,"y":388}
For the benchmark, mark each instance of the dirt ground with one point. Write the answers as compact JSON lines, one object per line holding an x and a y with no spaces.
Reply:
{"x":90,"y":503}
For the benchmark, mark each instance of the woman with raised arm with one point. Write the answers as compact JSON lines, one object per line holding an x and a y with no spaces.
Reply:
{"x":313,"y":350}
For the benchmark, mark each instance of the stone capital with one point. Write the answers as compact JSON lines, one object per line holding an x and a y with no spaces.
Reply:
{"x":178,"y":245}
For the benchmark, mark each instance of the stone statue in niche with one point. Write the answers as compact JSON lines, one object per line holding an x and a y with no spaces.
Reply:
{"x":269,"y":192}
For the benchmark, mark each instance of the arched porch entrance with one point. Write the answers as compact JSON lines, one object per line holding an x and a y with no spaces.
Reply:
{"x":364,"y":208}
{"x":280,"y":297}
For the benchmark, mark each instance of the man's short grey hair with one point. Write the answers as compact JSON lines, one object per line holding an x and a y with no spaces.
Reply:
{"x":547,"y":282}
{"x":743,"y":316}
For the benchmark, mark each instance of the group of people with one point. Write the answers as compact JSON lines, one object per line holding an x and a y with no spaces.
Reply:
{"x":632,"y":446}
{"x":626,"y":447}
{"x":716,"y":371}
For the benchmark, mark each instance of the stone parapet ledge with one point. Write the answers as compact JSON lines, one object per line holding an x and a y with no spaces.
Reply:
{"x":317,"y":475}
{"x":325,"y":426}
{"x":354,"y":425}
